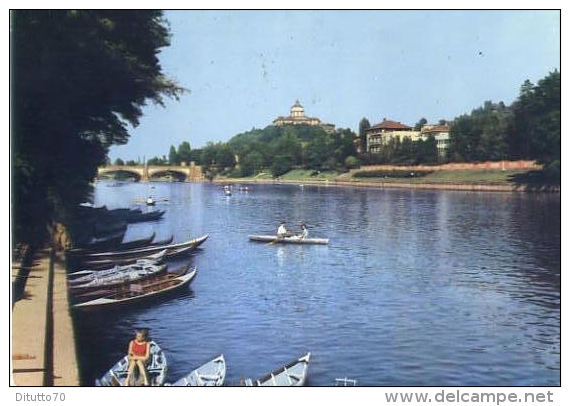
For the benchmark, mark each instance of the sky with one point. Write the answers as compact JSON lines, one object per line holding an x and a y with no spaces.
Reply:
{"x":244,"y":68}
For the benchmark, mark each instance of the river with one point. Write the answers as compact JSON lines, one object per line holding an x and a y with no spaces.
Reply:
{"x":415,"y":288}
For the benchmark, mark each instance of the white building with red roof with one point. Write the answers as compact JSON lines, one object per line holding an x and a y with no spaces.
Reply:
{"x":380,"y":134}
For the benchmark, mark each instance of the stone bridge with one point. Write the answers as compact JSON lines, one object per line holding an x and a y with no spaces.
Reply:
{"x":145,"y":173}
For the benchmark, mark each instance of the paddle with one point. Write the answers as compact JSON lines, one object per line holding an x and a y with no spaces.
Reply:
{"x":288,"y":234}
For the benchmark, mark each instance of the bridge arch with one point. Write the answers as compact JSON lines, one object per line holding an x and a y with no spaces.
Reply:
{"x":187,"y":173}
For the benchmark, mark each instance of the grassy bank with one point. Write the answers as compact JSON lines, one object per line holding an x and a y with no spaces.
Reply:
{"x":484,"y":179}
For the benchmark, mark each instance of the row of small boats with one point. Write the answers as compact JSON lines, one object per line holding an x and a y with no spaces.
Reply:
{"x":212,"y":373}
{"x":103,"y":229}
{"x":101,"y":280}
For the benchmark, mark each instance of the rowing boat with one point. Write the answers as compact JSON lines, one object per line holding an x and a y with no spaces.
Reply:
{"x":116,"y":245}
{"x":129,"y":274}
{"x":140,"y":252}
{"x":211,"y":373}
{"x":288,"y":240}
{"x":152,"y":259}
{"x":156,"y":369}
{"x":138,"y":292}
{"x":292,"y":374}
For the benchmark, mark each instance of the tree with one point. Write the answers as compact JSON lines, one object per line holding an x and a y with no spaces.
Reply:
{"x":79,"y":78}
{"x":119,"y":162}
{"x":251,"y":163}
{"x":281,"y":165}
{"x":420,"y":124}
{"x":173,"y":156}
{"x":363,"y":126}
{"x":184,"y":152}
{"x":536,"y":130}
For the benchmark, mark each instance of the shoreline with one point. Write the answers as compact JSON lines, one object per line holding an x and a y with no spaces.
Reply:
{"x":43,"y":346}
{"x":472,"y":187}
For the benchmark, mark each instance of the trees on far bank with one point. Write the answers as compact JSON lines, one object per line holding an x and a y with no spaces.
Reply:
{"x":79,"y":78}
{"x":527,"y":129}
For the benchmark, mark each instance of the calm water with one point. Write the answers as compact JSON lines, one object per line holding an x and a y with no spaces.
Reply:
{"x":415,"y":288}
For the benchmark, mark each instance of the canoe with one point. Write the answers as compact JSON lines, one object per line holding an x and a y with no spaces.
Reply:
{"x":104,"y":291}
{"x":148,"y":216}
{"x":130,"y":274}
{"x":116,"y":245}
{"x":288,"y":240}
{"x":152,"y":259}
{"x":110,"y":241}
{"x":141,"y":252}
{"x":156,"y":368}
{"x":106,"y":263}
{"x":104,"y":228}
{"x":137,"y":293}
{"x":292,"y":374}
{"x":211,"y":373}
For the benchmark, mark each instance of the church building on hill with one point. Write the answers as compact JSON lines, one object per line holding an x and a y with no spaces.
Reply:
{"x":298,"y":116}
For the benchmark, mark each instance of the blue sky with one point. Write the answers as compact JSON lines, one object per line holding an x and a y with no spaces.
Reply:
{"x":245,"y":68}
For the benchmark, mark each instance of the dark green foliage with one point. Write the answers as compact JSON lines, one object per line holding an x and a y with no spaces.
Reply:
{"x":483,"y":135}
{"x":536,"y":132}
{"x":528,"y":129}
{"x":294,"y":146}
{"x":281,"y":165}
{"x":362,"y":127}
{"x":79,"y":78}
{"x":420,"y":124}
{"x":393,"y":173}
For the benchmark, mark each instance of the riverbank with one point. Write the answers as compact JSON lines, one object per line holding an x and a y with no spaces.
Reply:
{"x":485,"y":180}
{"x":43,"y":351}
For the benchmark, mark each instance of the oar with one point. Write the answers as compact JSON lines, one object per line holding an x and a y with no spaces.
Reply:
{"x":273,"y":242}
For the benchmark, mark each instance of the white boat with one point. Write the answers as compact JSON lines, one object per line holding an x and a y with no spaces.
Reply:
{"x":156,"y":369}
{"x":212,"y":373}
{"x":128,"y":274}
{"x":273,"y":239}
{"x":292,"y":374}
{"x":138,"y":292}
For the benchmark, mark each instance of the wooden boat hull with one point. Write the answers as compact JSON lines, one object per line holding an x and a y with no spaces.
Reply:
{"x":157,"y":368}
{"x":110,"y":266}
{"x":109,"y":259}
{"x":292,"y":374}
{"x":115,"y":245}
{"x":288,"y":240}
{"x":141,"y":252}
{"x":212,"y":373}
{"x":134,"y":274}
{"x":107,"y":263}
{"x":138,"y":293}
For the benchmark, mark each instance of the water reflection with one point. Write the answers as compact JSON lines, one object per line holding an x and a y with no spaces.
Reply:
{"x":422,"y":287}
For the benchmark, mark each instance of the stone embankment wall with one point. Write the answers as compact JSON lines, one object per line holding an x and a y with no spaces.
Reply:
{"x":500,"y":165}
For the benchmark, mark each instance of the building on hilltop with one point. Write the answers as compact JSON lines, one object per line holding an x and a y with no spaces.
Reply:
{"x":298,"y":116}
{"x":381,"y":134}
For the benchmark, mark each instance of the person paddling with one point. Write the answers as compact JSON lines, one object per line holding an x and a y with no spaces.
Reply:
{"x":282,"y":230}
{"x":304,"y":232}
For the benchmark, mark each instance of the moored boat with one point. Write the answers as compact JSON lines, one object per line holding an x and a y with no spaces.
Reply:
{"x":137,"y":292}
{"x":106,"y":263}
{"x":155,"y":258}
{"x":116,"y":245}
{"x":288,"y":240}
{"x":129,"y":274}
{"x":139,"y":252}
{"x":212,"y":373}
{"x":156,"y":369}
{"x":292,"y":374}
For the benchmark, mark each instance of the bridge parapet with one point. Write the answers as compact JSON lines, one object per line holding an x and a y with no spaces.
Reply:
{"x":190,"y":172}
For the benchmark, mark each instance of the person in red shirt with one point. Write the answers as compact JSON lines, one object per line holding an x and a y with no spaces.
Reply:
{"x":138,"y":354}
